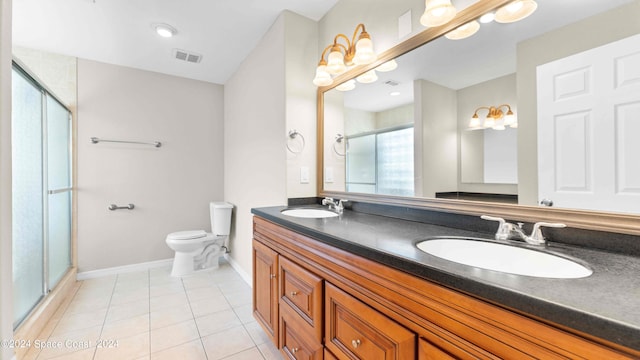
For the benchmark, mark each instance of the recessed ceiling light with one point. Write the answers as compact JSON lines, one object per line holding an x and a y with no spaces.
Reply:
{"x":165,"y":30}
{"x":394,"y":93}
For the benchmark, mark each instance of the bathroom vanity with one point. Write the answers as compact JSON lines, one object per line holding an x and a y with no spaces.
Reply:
{"x":356,"y":286}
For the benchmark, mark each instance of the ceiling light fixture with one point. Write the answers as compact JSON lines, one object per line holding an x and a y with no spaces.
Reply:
{"x":165,"y":30}
{"x":354,"y":52}
{"x":496,"y":118}
{"x":437,"y":12}
{"x":515,"y":11}
{"x":464,"y":31}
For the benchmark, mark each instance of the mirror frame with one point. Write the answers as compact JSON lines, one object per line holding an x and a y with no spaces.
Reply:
{"x":583,"y":219}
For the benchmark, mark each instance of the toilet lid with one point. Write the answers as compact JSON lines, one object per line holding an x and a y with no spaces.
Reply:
{"x":187,"y":235}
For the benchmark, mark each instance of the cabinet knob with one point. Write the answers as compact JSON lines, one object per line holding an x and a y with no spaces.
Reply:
{"x":272,"y":276}
{"x":294,"y":293}
{"x":355,"y":343}
{"x":294,"y":350}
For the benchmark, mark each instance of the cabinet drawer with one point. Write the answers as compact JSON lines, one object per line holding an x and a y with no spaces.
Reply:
{"x":295,"y":341}
{"x":356,"y":331}
{"x":302,"y":290}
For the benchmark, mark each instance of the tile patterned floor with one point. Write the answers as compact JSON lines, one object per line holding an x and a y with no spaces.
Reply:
{"x":151,"y":315}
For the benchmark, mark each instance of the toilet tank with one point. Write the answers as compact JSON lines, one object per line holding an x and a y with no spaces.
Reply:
{"x":220,"y":217}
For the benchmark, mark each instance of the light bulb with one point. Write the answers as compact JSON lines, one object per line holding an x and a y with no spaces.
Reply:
{"x":463,"y":31}
{"x":364,"y":52}
{"x":515,"y":11}
{"x":368,"y":77}
{"x":347,"y":85}
{"x":335,"y":64}
{"x":437,"y":12}
{"x":323,"y":78}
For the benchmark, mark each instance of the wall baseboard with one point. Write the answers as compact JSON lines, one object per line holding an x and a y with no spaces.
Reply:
{"x":234,"y":264}
{"x":123,"y":269}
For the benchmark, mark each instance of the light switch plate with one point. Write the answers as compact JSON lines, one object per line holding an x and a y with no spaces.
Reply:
{"x":304,"y":175}
{"x":328,"y":174}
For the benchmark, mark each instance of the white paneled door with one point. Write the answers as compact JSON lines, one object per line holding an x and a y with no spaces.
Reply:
{"x":589,"y":129}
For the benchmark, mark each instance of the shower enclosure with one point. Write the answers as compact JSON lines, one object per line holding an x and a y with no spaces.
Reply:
{"x":41,"y":192}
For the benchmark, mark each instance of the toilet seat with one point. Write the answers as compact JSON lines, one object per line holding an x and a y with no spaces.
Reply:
{"x":187,"y":235}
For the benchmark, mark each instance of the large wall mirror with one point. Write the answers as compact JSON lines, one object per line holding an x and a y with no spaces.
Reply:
{"x":406,"y":138}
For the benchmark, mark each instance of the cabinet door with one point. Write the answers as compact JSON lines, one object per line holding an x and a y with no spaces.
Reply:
{"x":265,"y":289}
{"x":356,"y":331}
{"x":302,"y":291}
{"x":428,"y":351}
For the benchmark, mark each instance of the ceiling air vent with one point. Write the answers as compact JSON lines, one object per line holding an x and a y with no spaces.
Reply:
{"x":187,"y":56}
{"x":391,"y":83}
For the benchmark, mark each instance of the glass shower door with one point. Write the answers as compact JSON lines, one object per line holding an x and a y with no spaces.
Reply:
{"x":41,"y":193}
{"x":28,"y":197}
{"x":59,"y":190}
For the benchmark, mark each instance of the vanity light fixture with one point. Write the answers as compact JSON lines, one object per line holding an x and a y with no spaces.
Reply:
{"x":341,"y":56}
{"x":368,"y":77}
{"x":496,"y":118}
{"x":347,"y":85}
{"x":388,"y":66}
{"x":487,"y":18}
{"x":165,"y":30}
{"x":464,"y":31}
{"x":437,"y":12}
{"x":515,"y":11}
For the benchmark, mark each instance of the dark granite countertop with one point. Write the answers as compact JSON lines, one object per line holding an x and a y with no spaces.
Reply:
{"x":605,"y":304}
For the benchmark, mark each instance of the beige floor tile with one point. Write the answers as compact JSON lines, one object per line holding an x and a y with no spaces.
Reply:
{"x":169,"y":316}
{"x":217,"y":322}
{"x":173,"y":335}
{"x":129,"y":348}
{"x":227,"y":342}
{"x":250,"y":354}
{"x":209,"y":306}
{"x":169,"y":300}
{"x":238,"y":298}
{"x":124,"y":296}
{"x":126,"y":311}
{"x":86,"y":354}
{"x":79,"y":305}
{"x":125,"y":328}
{"x":244,"y":313}
{"x":166,"y":289}
{"x":203,"y":293}
{"x":69,"y":342}
{"x":79,"y":321}
{"x":269,"y":351}
{"x":257,"y":333}
{"x":192,"y":351}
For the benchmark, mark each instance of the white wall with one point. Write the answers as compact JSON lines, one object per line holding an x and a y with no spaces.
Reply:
{"x":494,"y":92}
{"x":255,"y":134}
{"x":171,"y":186}
{"x":583,"y":35}
{"x":436,"y":128}
{"x":6,"y":281}
{"x":300,"y":60}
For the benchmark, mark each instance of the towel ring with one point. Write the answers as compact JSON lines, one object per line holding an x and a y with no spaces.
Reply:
{"x":339,"y":138}
{"x":292,"y":134}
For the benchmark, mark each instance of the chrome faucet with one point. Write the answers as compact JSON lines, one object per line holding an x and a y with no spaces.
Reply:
{"x":337,"y":206}
{"x":509,"y":231}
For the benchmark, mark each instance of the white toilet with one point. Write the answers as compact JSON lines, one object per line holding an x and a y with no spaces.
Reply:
{"x":198,"y":250}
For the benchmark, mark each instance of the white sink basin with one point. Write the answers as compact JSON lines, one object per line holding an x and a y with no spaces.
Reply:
{"x":504,"y":258}
{"x":309,"y":213}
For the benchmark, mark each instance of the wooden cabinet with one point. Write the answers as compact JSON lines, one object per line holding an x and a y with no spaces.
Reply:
{"x":265,"y":289}
{"x":356,"y":331}
{"x":372,"y":311}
